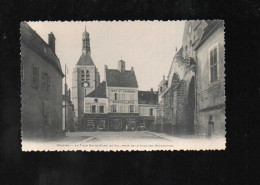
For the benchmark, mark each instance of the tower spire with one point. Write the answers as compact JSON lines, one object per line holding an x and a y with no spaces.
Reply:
{"x":85,"y":42}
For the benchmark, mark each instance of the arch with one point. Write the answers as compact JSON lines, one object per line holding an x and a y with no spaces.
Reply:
{"x":190,"y":107}
{"x":175,"y":79}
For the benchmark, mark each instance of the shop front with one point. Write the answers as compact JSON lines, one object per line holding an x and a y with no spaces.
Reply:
{"x":95,"y":122}
{"x":146,"y":123}
{"x":123,"y":121}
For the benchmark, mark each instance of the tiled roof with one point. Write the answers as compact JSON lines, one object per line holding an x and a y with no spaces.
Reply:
{"x":99,"y":92}
{"x":30,"y":38}
{"x":148,"y":97}
{"x":85,"y":60}
{"x":115,"y":78}
{"x":212,"y":24}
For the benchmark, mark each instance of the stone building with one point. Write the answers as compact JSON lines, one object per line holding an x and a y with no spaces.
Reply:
{"x":67,"y":124}
{"x":211,"y":79}
{"x":85,"y":78}
{"x":113,"y":105}
{"x":96,"y":109}
{"x":122,"y":93}
{"x":147,"y":102}
{"x":41,"y":84}
{"x":176,"y":109}
{"x":182,"y":109}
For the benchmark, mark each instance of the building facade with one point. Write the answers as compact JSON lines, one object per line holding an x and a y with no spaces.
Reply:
{"x":193,"y":93}
{"x":96,"y":110}
{"x":211,"y":80}
{"x":41,"y":84}
{"x":122,"y":94}
{"x":147,"y":102}
{"x":68,"y":114}
{"x":85,"y":78}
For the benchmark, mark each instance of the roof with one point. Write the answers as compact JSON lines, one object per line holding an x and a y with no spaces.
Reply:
{"x":85,"y":59}
{"x":99,"y":92}
{"x":212,"y":25}
{"x":33,"y":41}
{"x":148,"y":97}
{"x":115,"y":78}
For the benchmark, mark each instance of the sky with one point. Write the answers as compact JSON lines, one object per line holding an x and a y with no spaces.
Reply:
{"x":148,"y":46}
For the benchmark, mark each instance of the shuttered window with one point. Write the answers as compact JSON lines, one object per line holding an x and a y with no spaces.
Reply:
{"x":213,"y":65}
{"x":35,"y":77}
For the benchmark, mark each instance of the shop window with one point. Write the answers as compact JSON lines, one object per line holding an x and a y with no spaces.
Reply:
{"x":93,"y":108}
{"x":35,"y":77}
{"x":101,"y":109}
{"x":132,"y":108}
{"x":213,"y":64}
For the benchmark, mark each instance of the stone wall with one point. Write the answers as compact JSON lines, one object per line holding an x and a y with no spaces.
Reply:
{"x":41,"y":110}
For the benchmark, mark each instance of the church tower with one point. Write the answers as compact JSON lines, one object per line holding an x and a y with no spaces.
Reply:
{"x":85,"y":77}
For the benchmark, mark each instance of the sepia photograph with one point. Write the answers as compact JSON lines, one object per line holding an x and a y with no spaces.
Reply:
{"x":123,"y":85}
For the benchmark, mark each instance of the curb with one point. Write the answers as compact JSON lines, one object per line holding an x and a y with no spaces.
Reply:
{"x":155,"y":134}
{"x":92,"y":137}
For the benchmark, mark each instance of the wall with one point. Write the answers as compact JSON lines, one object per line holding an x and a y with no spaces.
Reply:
{"x":144,"y":109}
{"x":35,"y":102}
{"x":88,"y":102}
{"x":69,"y":115}
{"x":124,"y":101}
{"x":211,"y":96}
{"x":78,"y":91}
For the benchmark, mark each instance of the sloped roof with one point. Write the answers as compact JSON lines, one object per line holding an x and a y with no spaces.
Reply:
{"x":85,"y":59}
{"x":148,"y":97}
{"x":99,"y":92}
{"x":115,"y":78}
{"x":212,"y":25}
{"x":31,"y":39}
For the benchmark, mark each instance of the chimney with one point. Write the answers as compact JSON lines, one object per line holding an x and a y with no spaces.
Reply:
{"x":121,"y":66}
{"x":132,"y":69}
{"x":151,"y":89}
{"x":52,"y":41}
{"x":105,"y":72}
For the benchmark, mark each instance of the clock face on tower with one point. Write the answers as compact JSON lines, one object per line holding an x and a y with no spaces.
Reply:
{"x":85,"y":84}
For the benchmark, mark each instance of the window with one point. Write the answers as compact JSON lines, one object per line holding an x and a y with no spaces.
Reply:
{"x":95,"y":100}
{"x":131,"y":108}
{"x":101,"y":109}
{"x":115,"y":96}
{"x":131,"y":97}
{"x":87,"y":75}
{"x":113,"y":108}
{"x":213,"y":64}
{"x":46,"y":82}
{"x":151,"y":112}
{"x":93,"y":108}
{"x":35,"y":77}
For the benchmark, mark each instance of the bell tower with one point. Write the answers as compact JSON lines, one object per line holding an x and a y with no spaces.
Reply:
{"x":85,"y":78}
{"x":85,"y":42}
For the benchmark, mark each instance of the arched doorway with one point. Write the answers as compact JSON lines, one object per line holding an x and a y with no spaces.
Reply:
{"x":190,"y":107}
